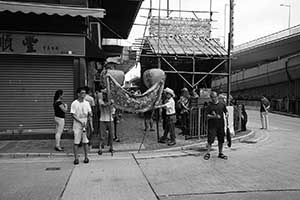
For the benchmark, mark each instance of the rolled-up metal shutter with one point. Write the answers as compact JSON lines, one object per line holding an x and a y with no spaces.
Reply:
{"x":27,"y":87}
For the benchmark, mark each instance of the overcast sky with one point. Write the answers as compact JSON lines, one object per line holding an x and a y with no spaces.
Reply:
{"x":252,"y":18}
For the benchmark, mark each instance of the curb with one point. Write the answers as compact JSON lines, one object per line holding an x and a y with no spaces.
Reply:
{"x":51,"y":155}
{"x":186,"y":147}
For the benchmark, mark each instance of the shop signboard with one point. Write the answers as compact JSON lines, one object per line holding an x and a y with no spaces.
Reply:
{"x":41,"y":44}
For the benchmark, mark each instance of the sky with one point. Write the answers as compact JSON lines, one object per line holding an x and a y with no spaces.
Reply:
{"x":252,"y":18}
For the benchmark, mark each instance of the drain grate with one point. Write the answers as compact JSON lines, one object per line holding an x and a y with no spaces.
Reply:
{"x":249,"y":142}
{"x":52,"y":168}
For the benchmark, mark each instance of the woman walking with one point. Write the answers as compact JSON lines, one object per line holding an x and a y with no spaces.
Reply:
{"x":60,"y":110}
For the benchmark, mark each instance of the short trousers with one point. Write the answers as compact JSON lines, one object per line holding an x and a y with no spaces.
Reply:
{"x":79,"y":135}
{"x":60,"y":123}
{"x":216,"y":131}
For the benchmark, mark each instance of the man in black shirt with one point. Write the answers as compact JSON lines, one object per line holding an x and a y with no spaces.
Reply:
{"x":215,"y":115}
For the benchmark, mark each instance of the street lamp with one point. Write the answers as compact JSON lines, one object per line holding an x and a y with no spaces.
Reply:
{"x":289,"y":6}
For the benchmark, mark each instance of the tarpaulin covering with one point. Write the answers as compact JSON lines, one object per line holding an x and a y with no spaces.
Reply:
{"x":126,"y":101}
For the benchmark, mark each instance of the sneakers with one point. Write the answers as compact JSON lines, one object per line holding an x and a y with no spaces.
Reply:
{"x":171,"y":143}
{"x":111,"y":150}
{"x":76,"y":162}
{"x":163,"y":140}
{"x":58,"y":148}
{"x":86,"y":160}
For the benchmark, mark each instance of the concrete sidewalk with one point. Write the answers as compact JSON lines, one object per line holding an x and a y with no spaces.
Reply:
{"x":44,"y":148}
{"x":111,"y":179}
{"x":130,"y":132}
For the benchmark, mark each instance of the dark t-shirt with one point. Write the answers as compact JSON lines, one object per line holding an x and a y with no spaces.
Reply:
{"x":264,"y":103}
{"x":57,"y":110}
{"x":219,"y":109}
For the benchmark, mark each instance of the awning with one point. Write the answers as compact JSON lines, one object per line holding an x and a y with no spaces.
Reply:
{"x":51,"y":9}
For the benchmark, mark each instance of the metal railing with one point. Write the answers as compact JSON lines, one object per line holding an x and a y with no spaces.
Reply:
{"x":198,"y":122}
{"x":268,"y":38}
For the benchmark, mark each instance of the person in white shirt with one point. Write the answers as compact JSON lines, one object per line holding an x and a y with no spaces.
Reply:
{"x":106,"y":121}
{"x":82,"y":114}
{"x":169,"y":105}
{"x":91,"y":101}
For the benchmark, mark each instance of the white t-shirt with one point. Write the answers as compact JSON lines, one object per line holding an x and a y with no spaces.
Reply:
{"x":81,"y":110}
{"x":170,"y":106}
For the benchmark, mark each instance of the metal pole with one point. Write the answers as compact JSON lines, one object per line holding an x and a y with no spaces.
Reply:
{"x":168,"y":7}
{"x":179,"y":8}
{"x":225,"y":10}
{"x":193,"y":75}
{"x":289,"y":16}
{"x":159,"y":66}
{"x":289,"y":6}
{"x":151,"y":7}
{"x":210,"y":15}
{"x":158,"y":35}
{"x":230,"y":45}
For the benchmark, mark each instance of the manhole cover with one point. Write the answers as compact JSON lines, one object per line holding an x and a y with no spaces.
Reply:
{"x":52,"y":168}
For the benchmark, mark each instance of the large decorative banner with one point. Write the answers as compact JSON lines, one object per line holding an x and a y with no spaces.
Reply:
{"x":126,"y":101}
{"x":171,"y":26}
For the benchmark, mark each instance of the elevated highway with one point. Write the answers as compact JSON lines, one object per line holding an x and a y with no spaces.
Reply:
{"x":266,"y":49}
{"x":268,"y":66}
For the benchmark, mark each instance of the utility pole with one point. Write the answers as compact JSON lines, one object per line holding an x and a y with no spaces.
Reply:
{"x":230,"y":47}
{"x":225,"y":20}
{"x":168,"y":8}
{"x":158,"y":36}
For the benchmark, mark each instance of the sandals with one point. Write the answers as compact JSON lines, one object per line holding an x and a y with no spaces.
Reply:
{"x":206,"y":156}
{"x":222,"y":156}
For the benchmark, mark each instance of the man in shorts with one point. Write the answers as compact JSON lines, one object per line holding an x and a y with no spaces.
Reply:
{"x":215,"y":115}
{"x":81,"y":111}
{"x":106,"y":121}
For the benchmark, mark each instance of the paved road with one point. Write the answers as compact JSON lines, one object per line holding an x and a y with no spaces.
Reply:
{"x":263,"y":167}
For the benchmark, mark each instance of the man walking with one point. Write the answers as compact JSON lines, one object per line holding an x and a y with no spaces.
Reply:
{"x":215,"y":115}
{"x":264,"y":110}
{"x":169,"y":105}
{"x":81,"y":111}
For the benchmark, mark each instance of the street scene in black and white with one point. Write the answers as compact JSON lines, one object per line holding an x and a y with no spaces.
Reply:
{"x":149,"y":100}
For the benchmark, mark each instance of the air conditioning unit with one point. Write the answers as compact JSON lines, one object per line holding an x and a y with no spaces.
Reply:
{"x":95,"y":34}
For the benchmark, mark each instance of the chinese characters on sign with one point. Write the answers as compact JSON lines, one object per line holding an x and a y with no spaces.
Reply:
{"x":29,"y":42}
{"x":41,"y":44}
{"x":6,"y":43}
